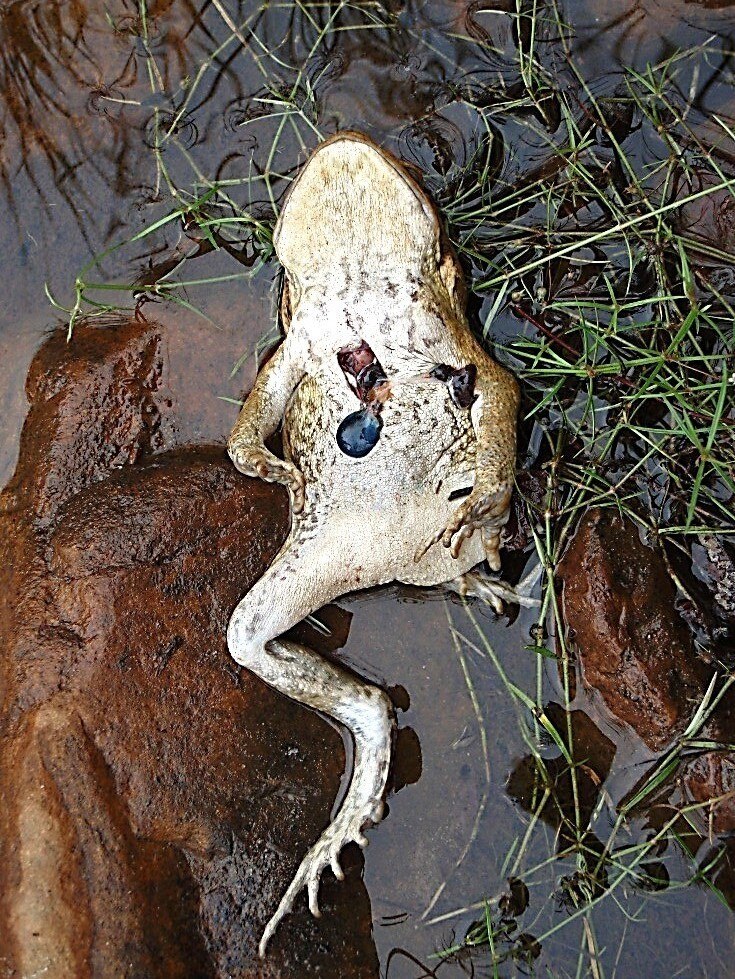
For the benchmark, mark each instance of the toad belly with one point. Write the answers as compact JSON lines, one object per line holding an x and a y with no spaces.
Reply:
{"x":426,"y":444}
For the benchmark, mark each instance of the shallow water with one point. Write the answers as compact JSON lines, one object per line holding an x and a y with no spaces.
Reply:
{"x":81,"y":92}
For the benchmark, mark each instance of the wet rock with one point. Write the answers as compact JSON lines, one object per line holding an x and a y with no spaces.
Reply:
{"x":710,"y":778}
{"x":155,"y":799}
{"x":84,"y":895}
{"x":97,"y":406}
{"x":633,"y":647}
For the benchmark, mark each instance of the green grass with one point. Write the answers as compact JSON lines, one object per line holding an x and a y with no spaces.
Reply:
{"x":623,"y":338}
{"x":627,"y":362}
{"x":633,"y":387}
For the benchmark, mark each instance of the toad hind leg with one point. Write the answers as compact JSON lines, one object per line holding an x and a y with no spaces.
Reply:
{"x":495,"y":591}
{"x":285,"y":595}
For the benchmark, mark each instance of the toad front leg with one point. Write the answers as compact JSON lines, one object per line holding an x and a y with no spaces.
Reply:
{"x":494,"y":420}
{"x":260,"y":417}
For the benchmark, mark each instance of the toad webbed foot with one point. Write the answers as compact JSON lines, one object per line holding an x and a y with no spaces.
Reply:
{"x":346,"y":828}
{"x":495,"y":591}
{"x":259,"y":462}
{"x":482,"y":510}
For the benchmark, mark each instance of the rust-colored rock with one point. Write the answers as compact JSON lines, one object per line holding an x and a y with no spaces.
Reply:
{"x":632,"y":645}
{"x":97,"y":405}
{"x":155,"y":799}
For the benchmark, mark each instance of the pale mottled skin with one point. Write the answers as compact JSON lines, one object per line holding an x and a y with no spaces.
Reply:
{"x":362,"y":251}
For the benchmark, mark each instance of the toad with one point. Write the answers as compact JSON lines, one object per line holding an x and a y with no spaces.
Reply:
{"x":415,"y":490}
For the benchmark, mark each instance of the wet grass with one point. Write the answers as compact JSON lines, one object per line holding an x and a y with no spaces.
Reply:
{"x":588,"y":869}
{"x":626,"y":353}
{"x":235,"y":215}
{"x":605,"y":258}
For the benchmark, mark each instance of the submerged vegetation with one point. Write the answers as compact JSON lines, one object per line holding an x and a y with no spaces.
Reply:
{"x":597,"y":226}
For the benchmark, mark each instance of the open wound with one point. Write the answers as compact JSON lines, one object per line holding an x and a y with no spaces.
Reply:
{"x":359,"y":432}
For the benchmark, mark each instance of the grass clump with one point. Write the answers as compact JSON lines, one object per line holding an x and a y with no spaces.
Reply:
{"x":608,"y":262}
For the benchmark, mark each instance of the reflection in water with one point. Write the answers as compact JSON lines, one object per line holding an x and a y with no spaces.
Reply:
{"x":110,"y":117}
{"x":44,"y":56}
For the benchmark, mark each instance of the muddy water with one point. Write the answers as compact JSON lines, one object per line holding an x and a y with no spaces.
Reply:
{"x":80,"y":171}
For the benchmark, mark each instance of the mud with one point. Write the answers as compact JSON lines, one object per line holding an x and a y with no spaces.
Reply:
{"x":155,"y":798}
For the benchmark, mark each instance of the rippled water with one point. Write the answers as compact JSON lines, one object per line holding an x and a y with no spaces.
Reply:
{"x":102,"y":112}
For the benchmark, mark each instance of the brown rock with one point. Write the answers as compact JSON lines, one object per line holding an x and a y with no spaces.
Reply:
{"x":155,"y":799}
{"x":632,"y":645}
{"x":85,"y":896}
{"x":97,"y":406}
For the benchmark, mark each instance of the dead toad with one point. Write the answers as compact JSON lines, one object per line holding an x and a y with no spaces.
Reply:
{"x":415,"y":489}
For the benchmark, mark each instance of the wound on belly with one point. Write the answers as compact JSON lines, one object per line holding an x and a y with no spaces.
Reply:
{"x":359,"y":432}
